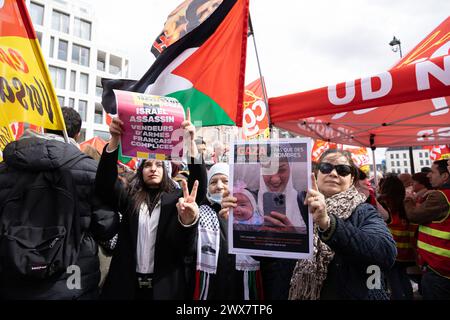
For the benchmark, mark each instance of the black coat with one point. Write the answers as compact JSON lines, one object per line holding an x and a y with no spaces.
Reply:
{"x":37,"y":154}
{"x":361,"y":241}
{"x":173,"y":241}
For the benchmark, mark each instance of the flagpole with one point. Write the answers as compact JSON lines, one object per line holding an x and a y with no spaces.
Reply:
{"x":266,"y":100}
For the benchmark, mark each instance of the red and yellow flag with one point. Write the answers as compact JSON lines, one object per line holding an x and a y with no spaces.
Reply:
{"x":26,"y":91}
{"x":255,"y":120}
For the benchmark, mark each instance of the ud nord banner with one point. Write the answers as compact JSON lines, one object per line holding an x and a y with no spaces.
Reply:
{"x":26,"y":91}
{"x":152,"y":125}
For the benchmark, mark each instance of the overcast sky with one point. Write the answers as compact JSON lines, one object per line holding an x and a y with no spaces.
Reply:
{"x":302,"y":45}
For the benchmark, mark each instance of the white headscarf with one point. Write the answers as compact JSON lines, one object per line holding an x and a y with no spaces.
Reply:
{"x":292,"y":209}
{"x":218,"y":168}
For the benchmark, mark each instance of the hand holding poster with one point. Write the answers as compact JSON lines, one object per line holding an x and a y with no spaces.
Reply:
{"x":268,"y":180}
{"x":150,"y":124}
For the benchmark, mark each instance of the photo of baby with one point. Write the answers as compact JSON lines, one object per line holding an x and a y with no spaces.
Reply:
{"x":246,"y":211}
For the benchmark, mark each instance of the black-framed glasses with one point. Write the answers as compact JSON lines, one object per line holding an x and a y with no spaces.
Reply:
{"x":342,"y":169}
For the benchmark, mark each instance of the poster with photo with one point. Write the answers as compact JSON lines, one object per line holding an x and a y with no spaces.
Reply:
{"x":269,"y":179}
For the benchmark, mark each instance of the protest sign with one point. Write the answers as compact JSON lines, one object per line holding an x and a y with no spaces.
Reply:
{"x":270,"y":179}
{"x":151,"y":125}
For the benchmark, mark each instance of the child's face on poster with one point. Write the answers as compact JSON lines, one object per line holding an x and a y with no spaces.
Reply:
{"x":244,"y":209}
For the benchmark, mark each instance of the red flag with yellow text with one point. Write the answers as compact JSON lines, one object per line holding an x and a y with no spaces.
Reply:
{"x":26,"y":91}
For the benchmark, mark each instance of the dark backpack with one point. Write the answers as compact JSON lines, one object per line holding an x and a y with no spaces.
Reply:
{"x":39,"y":226}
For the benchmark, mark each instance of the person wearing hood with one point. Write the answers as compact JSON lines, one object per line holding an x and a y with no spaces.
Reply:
{"x":218,"y":274}
{"x":158,"y":225}
{"x":35,"y":152}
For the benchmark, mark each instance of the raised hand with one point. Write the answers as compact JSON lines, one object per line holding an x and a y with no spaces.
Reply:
{"x":187,"y":207}
{"x":188,"y":126}
{"x":316,"y":203}
{"x":189,"y":133}
{"x":116,"y":130}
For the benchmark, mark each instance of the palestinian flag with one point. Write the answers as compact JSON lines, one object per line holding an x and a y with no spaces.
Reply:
{"x":204,"y":68}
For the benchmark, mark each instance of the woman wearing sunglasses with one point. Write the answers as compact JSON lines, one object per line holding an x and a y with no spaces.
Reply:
{"x":352,"y":245}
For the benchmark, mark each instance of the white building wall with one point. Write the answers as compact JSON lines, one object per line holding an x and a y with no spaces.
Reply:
{"x":82,"y":10}
{"x":398,"y":160}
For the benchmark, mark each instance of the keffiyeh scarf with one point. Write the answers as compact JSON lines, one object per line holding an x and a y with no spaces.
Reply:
{"x":208,"y":246}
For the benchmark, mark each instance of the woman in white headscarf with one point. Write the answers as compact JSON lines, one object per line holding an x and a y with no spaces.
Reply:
{"x":219,"y":275}
{"x":278,"y":181}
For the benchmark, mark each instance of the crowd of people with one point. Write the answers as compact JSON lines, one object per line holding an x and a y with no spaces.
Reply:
{"x":164,"y":227}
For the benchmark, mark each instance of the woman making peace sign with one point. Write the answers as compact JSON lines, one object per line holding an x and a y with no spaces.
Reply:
{"x":158,"y":225}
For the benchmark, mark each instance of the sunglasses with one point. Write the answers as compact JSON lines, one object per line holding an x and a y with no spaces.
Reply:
{"x":342,"y":169}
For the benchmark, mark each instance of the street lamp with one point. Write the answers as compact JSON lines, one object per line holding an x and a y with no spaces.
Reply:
{"x":396,"y":45}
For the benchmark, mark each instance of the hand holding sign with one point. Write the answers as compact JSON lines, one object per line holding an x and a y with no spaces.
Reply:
{"x":189,"y":134}
{"x":316,"y":203}
{"x":116,"y":130}
{"x":187,"y":207}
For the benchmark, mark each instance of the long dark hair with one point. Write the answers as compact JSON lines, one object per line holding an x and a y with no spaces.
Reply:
{"x":140,"y":192}
{"x":393,"y":190}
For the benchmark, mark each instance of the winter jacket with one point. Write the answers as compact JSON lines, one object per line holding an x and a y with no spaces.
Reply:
{"x":364,"y":248}
{"x":35,"y":153}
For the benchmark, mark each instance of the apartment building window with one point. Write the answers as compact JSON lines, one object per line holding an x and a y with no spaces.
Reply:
{"x":73,"y":80}
{"x":80,"y":55}
{"x":82,"y":109}
{"x":98,"y":117}
{"x":61,"y":101}
{"x":39,"y":37}
{"x":427,"y":162}
{"x":82,"y":28}
{"x":397,"y":156}
{"x":58,"y":76}
{"x":60,"y":21}
{"x":392,"y":156}
{"x":421,"y":162}
{"x":102,"y":134}
{"x":420,"y":154}
{"x":37,"y":13}
{"x":71,"y":102}
{"x":406,"y":170}
{"x":398,"y":163}
{"x":392,"y":163}
{"x":405,"y":163}
{"x":84,"y":83}
{"x":82,"y":136}
{"x":52,"y":46}
{"x":62,"y":50}
{"x":404,"y":156}
{"x":426,"y":154}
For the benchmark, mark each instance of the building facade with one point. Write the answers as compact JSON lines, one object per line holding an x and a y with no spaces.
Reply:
{"x":66,"y":30}
{"x":397,"y":159}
